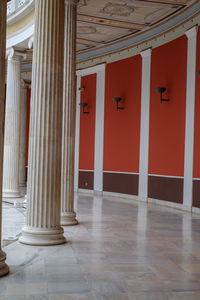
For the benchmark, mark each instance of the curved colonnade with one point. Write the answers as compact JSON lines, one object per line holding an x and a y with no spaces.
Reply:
{"x":52,"y":149}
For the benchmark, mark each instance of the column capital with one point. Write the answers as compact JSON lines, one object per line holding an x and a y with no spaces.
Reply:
{"x":31,"y":42}
{"x":25,"y":83}
{"x":22,"y":83}
{"x":192,"y":32}
{"x":13,"y":54}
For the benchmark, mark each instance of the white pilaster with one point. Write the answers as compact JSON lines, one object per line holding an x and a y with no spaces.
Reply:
{"x":12,"y":127}
{"x":144,"y":124}
{"x":22,"y":149}
{"x":99,"y":131}
{"x":77,"y":132}
{"x":190,"y":110}
{"x":3,"y":5}
{"x":99,"y":125}
{"x":45,"y":139}
{"x":68,"y":216}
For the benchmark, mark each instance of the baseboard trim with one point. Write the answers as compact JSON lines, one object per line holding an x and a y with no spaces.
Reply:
{"x":169,"y":204}
{"x":85,"y":191}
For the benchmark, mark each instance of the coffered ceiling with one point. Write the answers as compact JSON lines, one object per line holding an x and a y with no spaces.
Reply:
{"x":102,"y":22}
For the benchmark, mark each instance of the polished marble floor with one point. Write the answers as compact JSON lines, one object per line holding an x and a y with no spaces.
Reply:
{"x":13,"y":221}
{"x":118,"y":251}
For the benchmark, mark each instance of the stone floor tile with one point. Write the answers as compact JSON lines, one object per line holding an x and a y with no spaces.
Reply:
{"x":184,"y":285}
{"x":2,"y":288}
{"x":68,"y":287}
{"x":117,"y":296}
{"x":107,"y":288}
{"x":28,"y":288}
{"x":150,"y":296}
{"x":185,"y":296}
{"x":81,"y":296}
{"x":192,"y":268}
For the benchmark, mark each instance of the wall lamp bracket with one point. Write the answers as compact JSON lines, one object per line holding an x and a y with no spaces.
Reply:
{"x":83,"y":105}
{"x":117,"y":100}
{"x":161,"y":90}
{"x":82,"y":89}
{"x":198,"y":72}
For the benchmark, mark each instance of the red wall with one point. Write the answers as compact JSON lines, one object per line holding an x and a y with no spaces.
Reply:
{"x":122,"y":128}
{"x":197,"y":116}
{"x":87,"y":123}
{"x":167,"y":120}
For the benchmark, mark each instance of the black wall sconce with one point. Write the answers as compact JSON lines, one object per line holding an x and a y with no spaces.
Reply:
{"x":198,"y":72}
{"x":117,"y":100}
{"x":83,"y":105}
{"x":161,"y":90}
{"x":82,"y":89}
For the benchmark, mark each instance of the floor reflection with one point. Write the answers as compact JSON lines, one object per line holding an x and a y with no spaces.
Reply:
{"x":119,"y":250}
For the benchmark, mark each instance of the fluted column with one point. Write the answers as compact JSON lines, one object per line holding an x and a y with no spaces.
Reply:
{"x":3,"y":5}
{"x":12,"y":127}
{"x":44,"y":175}
{"x":68,"y":216}
{"x":22,"y":148}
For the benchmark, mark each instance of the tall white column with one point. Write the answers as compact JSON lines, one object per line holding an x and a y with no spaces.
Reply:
{"x":68,"y":216}
{"x":99,"y":130}
{"x":12,"y":127}
{"x":144,"y":124}
{"x":45,"y":139}
{"x":3,"y":5}
{"x":22,"y":148}
{"x":77,"y":132}
{"x":190,"y":110}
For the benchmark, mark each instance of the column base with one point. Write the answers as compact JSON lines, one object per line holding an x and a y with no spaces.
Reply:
{"x":42,"y":237}
{"x":11,"y":194}
{"x":4,"y":269}
{"x":68,"y":219}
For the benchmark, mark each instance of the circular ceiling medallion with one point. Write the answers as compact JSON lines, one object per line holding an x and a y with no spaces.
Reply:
{"x":118,"y":9}
{"x":85,"y":29}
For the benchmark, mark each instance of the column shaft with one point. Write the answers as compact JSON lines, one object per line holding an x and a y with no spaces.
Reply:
{"x":12,"y":128}
{"x":44,"y":175}
{"x":3,"y":4}
{"x":22,"y":155}
{"x":77,"y":132}
{"x":68,"y":216}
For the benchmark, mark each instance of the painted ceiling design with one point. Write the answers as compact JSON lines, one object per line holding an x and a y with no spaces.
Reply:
{"x":101,"y":22}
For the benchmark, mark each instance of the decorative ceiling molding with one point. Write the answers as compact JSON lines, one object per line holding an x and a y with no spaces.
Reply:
{"x":145,"y":38}
{"x":153,"y":42}
{"x":109,"y":30}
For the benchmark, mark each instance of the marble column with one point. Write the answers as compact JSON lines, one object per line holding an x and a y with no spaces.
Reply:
{"x":45,"y":138}
{"x":12,"y":127}
{"x":22,"y":147}
{"x":3,"y":5}
{"x":68,"y":216}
